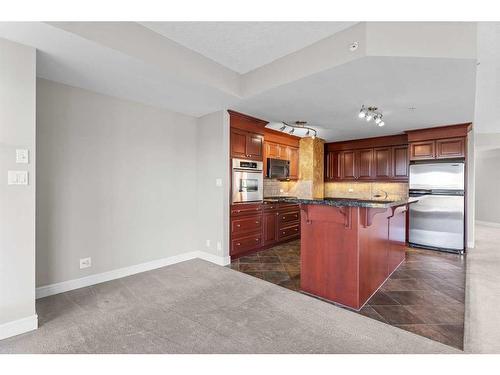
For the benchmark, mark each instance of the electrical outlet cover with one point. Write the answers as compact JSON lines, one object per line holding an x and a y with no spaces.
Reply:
{"x":85,"y":263}
{"x":22,"y":156}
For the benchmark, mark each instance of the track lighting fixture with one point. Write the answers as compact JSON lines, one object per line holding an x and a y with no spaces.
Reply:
{"x":371,"y":113}
{"x":299,"y":126}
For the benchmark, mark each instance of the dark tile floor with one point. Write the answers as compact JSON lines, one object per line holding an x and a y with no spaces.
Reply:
{"x":425,"y":295}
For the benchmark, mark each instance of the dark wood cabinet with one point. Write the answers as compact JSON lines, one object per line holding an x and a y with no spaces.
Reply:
{"x":332,"y":166}
{"x":422,"y":150}
{"x":400,"y":163}
{"x":450,"y":148}
{"x":348,"y":165}
{"x":438,"y":149}
{"x":256,"y":226}
{"x":364,"y":167}
{"x":382,"y":163}
{"x":270,"y":227}
{"x":246,"y":145}
{"x":371,"y":164}
{"x":275,"y":150}
{"x":293,"y":156}
{"x":442,"y":142}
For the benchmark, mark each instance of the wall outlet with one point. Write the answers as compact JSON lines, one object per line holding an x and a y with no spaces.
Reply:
{"x":85,"y":263}
{"x":218,"y":182}
{"x":207,"y":243}
{"x":17,"y":177}
{"x":219,"y":246}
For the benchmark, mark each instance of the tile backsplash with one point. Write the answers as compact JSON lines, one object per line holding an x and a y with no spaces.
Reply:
{"x":274,"y":188}
{"x":361,"y":190}
{"x":366,"y":190}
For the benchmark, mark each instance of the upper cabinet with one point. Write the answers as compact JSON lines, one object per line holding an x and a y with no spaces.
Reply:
{"x":275,"y":150}
{"x":444,"y":142}
{"x":246,"y":145}
{"x":354,"y":161}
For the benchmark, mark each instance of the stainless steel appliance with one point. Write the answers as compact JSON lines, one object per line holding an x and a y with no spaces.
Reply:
{"x":437,"y":219}
{"x":248,"y":182}
{"x":279,"y":169}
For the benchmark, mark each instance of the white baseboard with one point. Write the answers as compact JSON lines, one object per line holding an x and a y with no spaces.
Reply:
{"x":221,"y":261}
{"x":19,"y":326}
{"x":48,"y":290}
{"x":488,"y":223}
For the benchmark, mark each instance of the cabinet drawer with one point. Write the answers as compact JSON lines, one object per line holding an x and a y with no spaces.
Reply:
{"x":291,"y":231}
{"x":246,"y":225}
{"x":288,"y":217}
{"x":268,"y":206}
{"x":245,"y":209}
{"x":246,"y":244}
{"x":289,"y":207}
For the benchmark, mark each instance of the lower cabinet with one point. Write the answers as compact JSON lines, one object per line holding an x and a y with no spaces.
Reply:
{"x":255,"y":227}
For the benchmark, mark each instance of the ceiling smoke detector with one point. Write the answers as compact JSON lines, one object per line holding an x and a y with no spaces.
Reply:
{"x":353,"y":46}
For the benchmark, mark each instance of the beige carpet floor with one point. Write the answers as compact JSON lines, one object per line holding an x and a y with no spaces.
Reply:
{"x":482,"y":302}
{"x":199,"y":307}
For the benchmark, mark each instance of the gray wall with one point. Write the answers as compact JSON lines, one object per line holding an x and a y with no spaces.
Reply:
{"x":488,"y":185}
{"x":116,"y":182}
{"x":213,"y":201}
{"x":17,"y":203}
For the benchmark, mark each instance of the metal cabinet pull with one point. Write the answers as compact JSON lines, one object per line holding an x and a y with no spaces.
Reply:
{"x":238,"y":225}
{"x":238,"y":244}
{"x":256,"y":222}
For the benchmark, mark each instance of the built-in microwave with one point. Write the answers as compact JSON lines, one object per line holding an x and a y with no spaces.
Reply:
{"x":248,"y":184}
{"x":279,"y":169}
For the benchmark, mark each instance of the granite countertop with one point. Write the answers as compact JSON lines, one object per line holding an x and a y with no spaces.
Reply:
{"x":345,"y":202}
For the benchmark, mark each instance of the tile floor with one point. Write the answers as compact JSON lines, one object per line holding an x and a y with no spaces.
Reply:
{"x":425,"y":295}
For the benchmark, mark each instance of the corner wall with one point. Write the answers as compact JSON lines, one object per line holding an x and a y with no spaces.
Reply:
{"x":213,"y":200}
{"x":17,"y":203}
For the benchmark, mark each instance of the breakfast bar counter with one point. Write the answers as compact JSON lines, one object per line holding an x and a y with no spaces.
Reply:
{"x":349,"y":247}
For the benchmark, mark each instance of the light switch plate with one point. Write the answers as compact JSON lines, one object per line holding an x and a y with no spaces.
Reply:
{"x":22,"y":156}
{"x":17,"y":177}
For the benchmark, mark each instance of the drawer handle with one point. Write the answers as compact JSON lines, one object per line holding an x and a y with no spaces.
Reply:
{"x":277,"y":214}
{"x":296,"y":229}
{"x":256,"y":222}
{"x":238,"y":225}
{"x":238,"y":211}
{"x":296,"y":215}
{"x":284,"y":232}
{"x":257,"y":240}
{"x":238,"y":244}
{"x":284,"y":218}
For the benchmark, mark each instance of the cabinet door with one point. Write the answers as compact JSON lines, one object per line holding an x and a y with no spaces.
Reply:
{"x":332,"y":166}
{"x":422,"y":150}
{"x":254,"y":146}
{"x":364,"y":164}
{"x":400,"y":162}
{"x":270,"y":227}
{"x":450,"y":148}
{"x":238,"y":144}
{"x":382,"y":163}
{"x":273,"y":150}
{"x":348,"y":165}
{"x":293,"y":156}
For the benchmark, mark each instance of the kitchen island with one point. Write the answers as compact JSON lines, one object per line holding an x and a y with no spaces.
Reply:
{"x":349,"y":247}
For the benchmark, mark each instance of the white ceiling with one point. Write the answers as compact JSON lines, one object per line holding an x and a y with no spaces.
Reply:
{"x":76,"y":61}
{"x":129,"y":61}
{"x":442,"y":90}
{"x":244,"y":46}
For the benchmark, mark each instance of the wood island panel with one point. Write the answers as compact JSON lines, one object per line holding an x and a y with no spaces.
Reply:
{"x":347,"y":253}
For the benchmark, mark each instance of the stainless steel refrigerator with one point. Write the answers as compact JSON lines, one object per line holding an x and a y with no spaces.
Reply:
{"x":437,"y":219}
